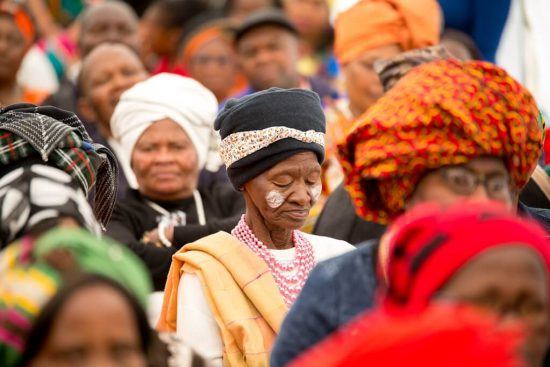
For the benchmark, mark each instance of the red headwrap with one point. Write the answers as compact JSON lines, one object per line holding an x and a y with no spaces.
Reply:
{"x":441,"y":113}
{"x":428,"y":245}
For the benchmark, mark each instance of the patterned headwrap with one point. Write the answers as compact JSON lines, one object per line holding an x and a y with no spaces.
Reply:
{"x":32,"y":196}
{"x":22,"y":18}
{"x":31,"y":273}
{"x":59,"y":139}
{"x":442,"y":113}
{"x":370,"y":24}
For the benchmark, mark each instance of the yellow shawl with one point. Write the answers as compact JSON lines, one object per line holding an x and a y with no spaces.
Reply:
{"x":240,"y":290}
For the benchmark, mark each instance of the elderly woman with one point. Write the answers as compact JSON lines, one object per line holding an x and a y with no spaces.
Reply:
{"x":164,"y":127}
{"x":426,"y":140}
{"x":228,"y":293}
{"x":500,"y":266}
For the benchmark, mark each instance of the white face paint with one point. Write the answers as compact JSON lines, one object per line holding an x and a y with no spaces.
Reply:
{"x":315,"y":192}
{"x":274,"y":199}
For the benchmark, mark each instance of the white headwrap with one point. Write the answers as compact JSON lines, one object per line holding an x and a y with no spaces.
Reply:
{"x":181,"y":99}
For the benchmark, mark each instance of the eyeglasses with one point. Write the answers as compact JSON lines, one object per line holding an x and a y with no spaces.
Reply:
{"x":464,"y":181}
{"x":205,"y":60}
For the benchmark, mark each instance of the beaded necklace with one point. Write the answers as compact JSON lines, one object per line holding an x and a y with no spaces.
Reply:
{"x":290,"y":278}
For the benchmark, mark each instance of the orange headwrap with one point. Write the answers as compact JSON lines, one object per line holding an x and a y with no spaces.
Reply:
{"x":22,"y":19}
{"x":375,"y":23}
{"x":198,"y":40}
{"x":442,"y":113}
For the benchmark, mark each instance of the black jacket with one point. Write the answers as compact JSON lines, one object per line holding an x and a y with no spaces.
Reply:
{"x":133,"y":217}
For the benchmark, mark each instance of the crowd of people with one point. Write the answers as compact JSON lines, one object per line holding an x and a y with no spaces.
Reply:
{"x":271,"y":183}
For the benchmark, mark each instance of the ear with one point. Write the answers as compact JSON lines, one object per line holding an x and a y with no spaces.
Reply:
{"x":86,"y":110}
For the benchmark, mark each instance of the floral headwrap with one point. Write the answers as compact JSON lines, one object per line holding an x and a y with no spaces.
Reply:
{"x":442,"y":113}
{"x":32,"y":272}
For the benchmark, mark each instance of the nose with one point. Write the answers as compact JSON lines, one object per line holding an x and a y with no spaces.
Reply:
{"x":300,"y":196}
{"x":164,"y":156}
{"x":480,"y":194}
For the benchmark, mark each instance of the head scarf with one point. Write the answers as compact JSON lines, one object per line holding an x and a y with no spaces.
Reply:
{"x":442,"y":113}
{"x":370,"y":24}
{"x":443,"y":335}
{"x":183,"y":100}
{"x":31,"y":273}
{"x":22,"y":18}
{"x":58,"y":138}
{"x":198,"y":39}
{"x":262,"y":129}
{"x":32,"y":195}
{"x":428,"y":245}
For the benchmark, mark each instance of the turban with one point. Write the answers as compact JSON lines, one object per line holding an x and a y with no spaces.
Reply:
{"x":31,"y":273}
{"x":166,"y":96}
{"x":57,"y":138}
{"x":429,"y":245}
{"x":22,"y":18}
{"x":371,"y":24}
{"x":442,"y":113}
{"x":265,"y":128}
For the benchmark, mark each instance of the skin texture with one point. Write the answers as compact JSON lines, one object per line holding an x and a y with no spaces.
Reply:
{"x":108,"y":21}
{"x":268,"y":56}
{"x":107,"y":72}
{"x":311,"y":17}
{"x":294,"y":179}
{"x":165,"y":162}
{"x":361,"y":81}
{"x":99,"y":333}
{"x":214,"y":66}
{"x":432,"y":187}
{"x":12,"y":50}
{"x":486,"y":281}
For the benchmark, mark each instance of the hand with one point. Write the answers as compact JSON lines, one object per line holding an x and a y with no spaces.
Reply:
{"x":152,"y":236}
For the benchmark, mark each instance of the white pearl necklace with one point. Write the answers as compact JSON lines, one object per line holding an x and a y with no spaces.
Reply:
{"x":290,"y":278}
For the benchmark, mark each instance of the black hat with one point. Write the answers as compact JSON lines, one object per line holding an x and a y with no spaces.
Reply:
{"x":266,"y":128}
{"x":262,"y":18}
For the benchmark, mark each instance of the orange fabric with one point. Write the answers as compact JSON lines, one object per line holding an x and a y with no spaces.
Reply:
{"x":198,"y":40}
{"x":21,"y":18}
{"x":375,"y":23}
{"x":34,"y":96}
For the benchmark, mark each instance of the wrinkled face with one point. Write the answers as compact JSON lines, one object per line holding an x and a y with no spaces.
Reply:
{"x":268,"y":56}
{"x":13,"y":47}
{"x":285,"y":194}
{"x":112,"y":24}
{"x":361,"y":81}
{"x":511,"y":281}
{"x":165,"y":162}
{"x":448,"y":185}
{"x":214,"y":65}
{"x":103,"y":332}
{"x":107,"y":73}
{"x":309,"y":16}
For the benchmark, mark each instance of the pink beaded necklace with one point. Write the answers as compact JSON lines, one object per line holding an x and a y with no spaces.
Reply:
{"x":290,"y":278}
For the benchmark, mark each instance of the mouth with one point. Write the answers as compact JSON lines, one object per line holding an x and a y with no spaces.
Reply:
{"x":299,"y":214}
{"x":165,"y":175}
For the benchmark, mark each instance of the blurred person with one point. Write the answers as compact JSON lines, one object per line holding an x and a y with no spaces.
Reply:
{"x":460,"y":45}
{"x":108,"y":71}
{"x":49,"y":167}
{"x":164,"y":127}
{"x":163,"y":26}
{"x":110,"y":21}
{"x":268,"y":54}
{"x":227,"y":294}
{"x":236,"y":11}
{"x":209,"y":58}
{"x":441,"y":146}
{"x":368,"y":32}
{"x":311,"y":19}
{"x":434,"y":271}
{"x":72,"y":299}
{"x":17,"y":34}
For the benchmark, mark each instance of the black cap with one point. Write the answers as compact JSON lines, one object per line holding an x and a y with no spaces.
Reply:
{"x":264,"y":17}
